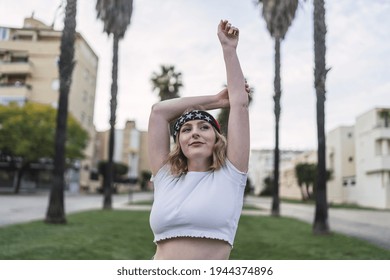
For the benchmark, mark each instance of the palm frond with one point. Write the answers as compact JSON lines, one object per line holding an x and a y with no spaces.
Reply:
{"x":115,"y":14}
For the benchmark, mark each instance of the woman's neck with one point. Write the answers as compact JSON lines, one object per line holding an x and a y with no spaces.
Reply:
{"x":199,"y":165}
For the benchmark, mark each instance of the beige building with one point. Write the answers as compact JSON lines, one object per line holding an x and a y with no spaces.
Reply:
{"x":288,"y":183}
{"x":359,"y":160}
{"x":29,"y":72}
{"x":340,"y":161}
{"x":130,"y":149}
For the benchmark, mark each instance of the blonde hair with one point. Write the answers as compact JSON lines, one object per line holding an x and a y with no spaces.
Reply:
{"x":178,"y":161}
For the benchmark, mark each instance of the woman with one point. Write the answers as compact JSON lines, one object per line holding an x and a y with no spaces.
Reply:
{"x":199,"y":186}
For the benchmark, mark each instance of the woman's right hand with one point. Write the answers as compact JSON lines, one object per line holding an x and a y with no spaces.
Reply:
{"x":223,"y":98}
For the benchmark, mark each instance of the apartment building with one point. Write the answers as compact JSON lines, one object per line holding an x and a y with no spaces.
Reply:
{"x":29,"y":73}
{"x":372,"y":152}
{"x":341,"y":162}
{"x":261,"y":165}
{"x":358,"y":158}
{"x":130,"y":148}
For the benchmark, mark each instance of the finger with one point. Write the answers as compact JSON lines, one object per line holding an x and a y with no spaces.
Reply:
{"x":227,"y":26}
{"x":222,"y":25}
{"x":233,"y":31}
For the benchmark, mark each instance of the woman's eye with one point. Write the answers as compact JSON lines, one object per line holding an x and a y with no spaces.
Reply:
{"x":205,"y":127}
{"x":185,"y":130}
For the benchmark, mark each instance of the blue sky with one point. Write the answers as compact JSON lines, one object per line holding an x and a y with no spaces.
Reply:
{"x":183,"y":33}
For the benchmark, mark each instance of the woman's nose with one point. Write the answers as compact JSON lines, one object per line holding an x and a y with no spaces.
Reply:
{"x":195,"y":133}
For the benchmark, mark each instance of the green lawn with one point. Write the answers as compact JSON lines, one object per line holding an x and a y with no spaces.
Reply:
{"x":122,"y":234}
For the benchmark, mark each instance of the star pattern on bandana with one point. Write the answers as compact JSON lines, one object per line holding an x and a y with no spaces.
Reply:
{"x":195,"y":115}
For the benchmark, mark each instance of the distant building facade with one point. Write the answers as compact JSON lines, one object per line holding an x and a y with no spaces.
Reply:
{"x":261,"y":165}
{"x":341,"y":162}
{"x":29,"y":59}
{"x":358,"y":158}
{"x":130,"y":148}
{"x":288,"y":183}
{"x":372,"y":152}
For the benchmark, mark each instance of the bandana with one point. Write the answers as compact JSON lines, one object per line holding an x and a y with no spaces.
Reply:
{"x":195,"y":115}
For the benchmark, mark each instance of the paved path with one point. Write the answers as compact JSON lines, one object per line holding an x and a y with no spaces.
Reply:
{"x":373,"y":226}
{"x":29,"y":207}
{"x":370,"y":225}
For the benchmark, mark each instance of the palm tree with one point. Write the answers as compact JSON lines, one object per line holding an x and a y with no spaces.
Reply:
{"x":167,"y":83}
{"x":385,"y":115}
{"x":223,"y":115}
{"x":320,"y":225}
{"x":116,"y":15}
{"x":301,"y":173}
{"x":278,"y":16}
{"x":55,"y":212}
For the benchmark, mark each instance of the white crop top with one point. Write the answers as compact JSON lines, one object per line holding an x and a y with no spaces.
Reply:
{"x":197,"y":204}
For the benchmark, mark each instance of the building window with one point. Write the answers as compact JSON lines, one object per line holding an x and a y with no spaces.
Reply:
{"x":378,"y":147}
{"x":4,"y":34}
{"x":388,"y":147}
{"x":350,"y":159}
{"x":17,"y":80}
{"x":350,"y":135}
{"x":345,"y":182}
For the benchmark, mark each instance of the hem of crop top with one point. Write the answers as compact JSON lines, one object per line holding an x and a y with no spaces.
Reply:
{"x":192,"y":234}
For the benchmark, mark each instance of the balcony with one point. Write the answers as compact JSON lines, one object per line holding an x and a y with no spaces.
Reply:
{"x":378,"y":164}
{"x":16,"y":90}
{"x":12,"y":68}
{"x":381,"y":132}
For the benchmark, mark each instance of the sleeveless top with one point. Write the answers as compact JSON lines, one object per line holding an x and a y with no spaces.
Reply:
{"x":198,"y":204}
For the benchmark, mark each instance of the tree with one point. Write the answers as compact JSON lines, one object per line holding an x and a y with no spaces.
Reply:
{"x":223,"y":115}
{"x":278,"y":16}
{"x":116,"y":15}
{"x":119,"y":170}
{"x":55,"y":212}
{"x":385,"y":115}
{"x":167,"y":84}
{"x":306,"y":175}
{"x":320,"y":225}
{"x":268,"y":186}
{"x":27,"y":133}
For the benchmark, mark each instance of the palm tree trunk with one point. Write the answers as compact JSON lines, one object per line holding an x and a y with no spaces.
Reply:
{"x":19,"y":177}
{"x":320,"y":225}
{"x":278,"y":92}
{"x":107,"y":203}
{"x":56,"y":213}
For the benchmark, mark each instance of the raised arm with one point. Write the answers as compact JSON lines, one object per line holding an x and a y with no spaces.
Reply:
{"x":166,"y":111}
{"x":238,"y":126}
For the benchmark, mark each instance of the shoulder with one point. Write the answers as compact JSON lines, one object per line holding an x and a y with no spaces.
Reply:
{"x":230,"y":172}
{"x":163,"y":172}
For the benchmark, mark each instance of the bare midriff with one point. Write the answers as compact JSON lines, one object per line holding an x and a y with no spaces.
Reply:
{"x":188,"y":248}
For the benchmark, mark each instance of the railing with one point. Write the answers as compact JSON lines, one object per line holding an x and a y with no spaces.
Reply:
{"x":15,"y":68}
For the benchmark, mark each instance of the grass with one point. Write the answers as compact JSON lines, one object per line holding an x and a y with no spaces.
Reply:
{"x":125,"y":235}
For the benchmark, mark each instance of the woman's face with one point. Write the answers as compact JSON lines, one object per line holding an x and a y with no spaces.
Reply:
{"x":197,"y":139}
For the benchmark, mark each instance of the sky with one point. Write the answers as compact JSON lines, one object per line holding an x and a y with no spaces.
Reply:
{"x":183,"y":33}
